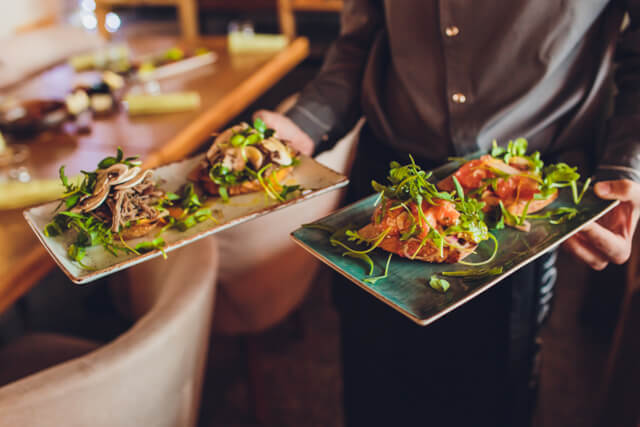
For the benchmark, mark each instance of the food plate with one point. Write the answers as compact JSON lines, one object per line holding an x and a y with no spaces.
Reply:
{"x":314,"y":179}
{"x":406,"y":288}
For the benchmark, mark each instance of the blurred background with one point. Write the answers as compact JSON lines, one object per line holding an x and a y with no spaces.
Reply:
{"x":278,"y":365}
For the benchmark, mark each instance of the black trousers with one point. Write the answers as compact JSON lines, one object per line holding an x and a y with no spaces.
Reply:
{"x":471,"y":368}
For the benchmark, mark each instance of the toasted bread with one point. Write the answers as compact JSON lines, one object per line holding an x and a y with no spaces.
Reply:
{"x":141,"y":229}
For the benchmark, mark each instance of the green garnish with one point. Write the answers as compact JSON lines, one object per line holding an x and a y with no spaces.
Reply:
{"x":373,"y":280}
{"x":353,"y":235}
{"x":252,"y":134}
{"x":488,"y":260}
{"x":224,"y":178}
{"x":558,"y":216}
{"x":517,"y":148}
{"x":438,"y":284}
{"x":474,"y":274}
{"x":288,"y":190}
{"x":174,"y":54}
{"x":364,"y":257}
{"x":507,"y":217}
{"x":193,"y":212}
{"x":110,"y":161}
{"x":156,"y":243}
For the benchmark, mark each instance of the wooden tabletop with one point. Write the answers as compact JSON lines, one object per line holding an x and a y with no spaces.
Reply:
{"x":226,"y":88}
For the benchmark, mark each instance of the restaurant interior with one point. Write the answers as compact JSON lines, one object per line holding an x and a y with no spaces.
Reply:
{"x":240,"y":328}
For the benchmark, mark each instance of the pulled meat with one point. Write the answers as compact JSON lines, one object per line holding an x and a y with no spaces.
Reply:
{"x":134,"y":204}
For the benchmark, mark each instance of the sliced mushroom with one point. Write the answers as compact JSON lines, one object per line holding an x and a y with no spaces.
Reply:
{"x":127,"y":176}
{"x":117,"y":212}
{"x":234,"y":159}
{"x":280,"y":153}
{"x":113,"y":172}
{"x":255,"y":156}
{"x":102,"y":180}
{"x":135,"y":180}
{"x":222,"y":140}
{"x":92,"y":202}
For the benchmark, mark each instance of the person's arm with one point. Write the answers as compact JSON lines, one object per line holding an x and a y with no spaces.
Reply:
{"x":329,"y":106}
{"x":621,"y":158}
{"x":610,"y":239}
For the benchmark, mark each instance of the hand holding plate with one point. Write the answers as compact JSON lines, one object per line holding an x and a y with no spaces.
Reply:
{"x":610,"y":238}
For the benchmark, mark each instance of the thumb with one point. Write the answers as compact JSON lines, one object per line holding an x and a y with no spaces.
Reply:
{"x":622,"y":189}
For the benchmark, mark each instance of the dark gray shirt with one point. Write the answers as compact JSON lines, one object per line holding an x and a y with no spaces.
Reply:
{"x":445,"y":77}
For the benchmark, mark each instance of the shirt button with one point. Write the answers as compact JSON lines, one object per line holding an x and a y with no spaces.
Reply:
{"x":459,"y":98}
{"x":452,"y":31}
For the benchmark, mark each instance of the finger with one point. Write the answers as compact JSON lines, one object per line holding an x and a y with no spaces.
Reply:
{"x":265,"y":115}
{"x":583,"y":253}
{"x":622,"y":189}
{"x":259,"y":114}
{"x":613,"y":246}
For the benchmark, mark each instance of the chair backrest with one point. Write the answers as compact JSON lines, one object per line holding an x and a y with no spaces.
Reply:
{"x":287,"y":9}
{"x":187,"y":11}
{"x":149,"y":376}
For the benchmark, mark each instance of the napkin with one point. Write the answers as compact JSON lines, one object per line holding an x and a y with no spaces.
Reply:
{"x":240,"y":42}
{"x":138,"y":104}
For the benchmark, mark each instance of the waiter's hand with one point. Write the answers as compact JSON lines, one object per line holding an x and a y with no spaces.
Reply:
{"x":287,"y":130}
{"x":609,"y":239}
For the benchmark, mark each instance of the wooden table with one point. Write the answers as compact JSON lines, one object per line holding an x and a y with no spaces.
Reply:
{"x":226,"y":88}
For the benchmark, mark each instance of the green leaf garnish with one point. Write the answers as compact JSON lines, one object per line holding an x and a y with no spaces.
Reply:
{"x":259,"y":125}
{"x":474,"y":274}
{"x":373,"y":280}
{"x":156,"y":243}
{"x":488,"y":260}
{"x":438,"y":284}
{"x":557,"y":216}
{"x":364,"y":257}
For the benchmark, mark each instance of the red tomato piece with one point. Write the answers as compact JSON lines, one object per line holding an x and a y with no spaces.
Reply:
{"x":445,"y":213}
{"x":472,"y":174}
{"x":516,"y":187}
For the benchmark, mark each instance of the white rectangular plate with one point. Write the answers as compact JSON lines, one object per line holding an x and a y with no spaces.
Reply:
{"x":313,"y":177}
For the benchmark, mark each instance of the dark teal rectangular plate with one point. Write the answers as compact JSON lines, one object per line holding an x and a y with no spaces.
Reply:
{"x":407,"y":289}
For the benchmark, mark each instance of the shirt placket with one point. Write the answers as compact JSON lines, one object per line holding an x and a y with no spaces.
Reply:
{"x":454,"y":34}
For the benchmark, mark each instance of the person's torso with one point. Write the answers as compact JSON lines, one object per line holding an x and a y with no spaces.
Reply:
{"x":447,"y":77}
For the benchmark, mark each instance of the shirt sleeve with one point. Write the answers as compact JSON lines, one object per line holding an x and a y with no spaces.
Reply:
{"x":621,"y":157}
{"x":329,"y":106}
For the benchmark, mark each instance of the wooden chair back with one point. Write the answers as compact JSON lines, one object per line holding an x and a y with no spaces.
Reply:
{"x":287,"y":9}
{"x":187,"y":13}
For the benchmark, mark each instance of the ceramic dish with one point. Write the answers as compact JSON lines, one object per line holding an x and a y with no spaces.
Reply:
{"x":313,"y":178}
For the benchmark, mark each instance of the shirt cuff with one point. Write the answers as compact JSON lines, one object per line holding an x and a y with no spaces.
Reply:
{"x":316,"y":127}
{"x":607,"y":172}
